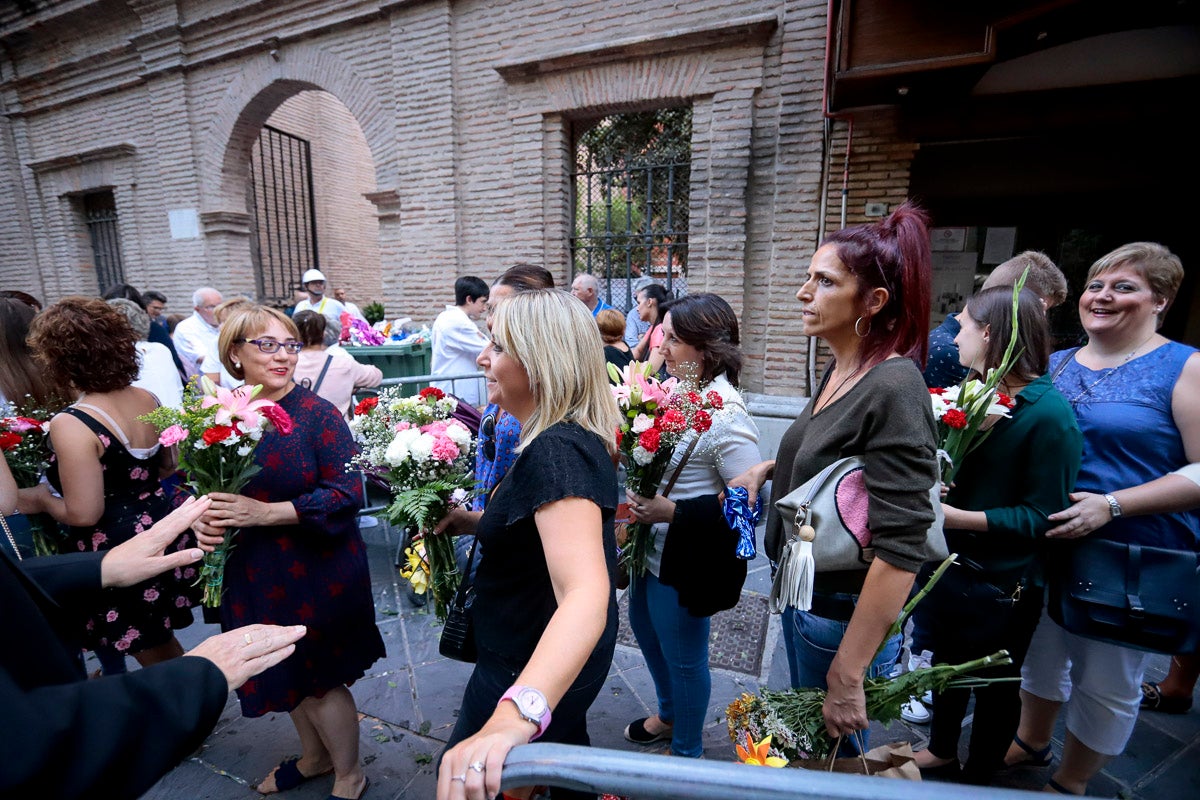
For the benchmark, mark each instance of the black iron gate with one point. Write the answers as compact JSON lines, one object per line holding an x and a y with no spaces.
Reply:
{"x":632,"y":184}
{"x":100,"y":216}
{"x":284,"y":234}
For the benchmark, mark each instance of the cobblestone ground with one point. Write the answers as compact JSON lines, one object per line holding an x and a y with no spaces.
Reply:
{"x":409,"y":699}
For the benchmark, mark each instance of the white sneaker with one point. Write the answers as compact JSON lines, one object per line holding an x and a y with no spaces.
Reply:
{"x":914,"y":711}
{"x":921,"y":660}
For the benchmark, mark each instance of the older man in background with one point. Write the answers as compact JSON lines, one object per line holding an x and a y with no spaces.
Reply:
{"x":587,"y":289}
{"x":197,"y":335}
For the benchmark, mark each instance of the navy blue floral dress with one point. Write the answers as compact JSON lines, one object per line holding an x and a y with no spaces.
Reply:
{"x":312,"y":573}
{"x":139,"y":617}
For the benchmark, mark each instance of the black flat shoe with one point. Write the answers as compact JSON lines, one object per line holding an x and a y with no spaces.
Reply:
{"x":1154,"y":700}
{"x":636,"y":732}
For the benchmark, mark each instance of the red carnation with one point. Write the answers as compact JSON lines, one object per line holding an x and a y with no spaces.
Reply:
{"x":9,"y":440}
{"x":702,"y":421}
{"x":218,"y":433}
{"x":715,"y":400}
{"x":279,"y":418}
{"x":365,"y":405}
{"x":432,"y":391}
{"x":936,"y":390}
{"x":649,"y":439}
{"x":955,"y":418}
{"x":695,"y":399}
{"x":672,"y":421}
{"x":620,"y":436}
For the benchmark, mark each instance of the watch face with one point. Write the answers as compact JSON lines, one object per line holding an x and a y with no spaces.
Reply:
{"x":531,"y":702}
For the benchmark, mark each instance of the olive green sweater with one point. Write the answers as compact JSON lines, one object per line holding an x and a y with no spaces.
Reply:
{"x":887,"y":418}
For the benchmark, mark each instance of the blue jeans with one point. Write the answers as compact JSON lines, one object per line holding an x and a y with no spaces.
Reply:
{"x":811,"y":643}
{"x":675,"y":646}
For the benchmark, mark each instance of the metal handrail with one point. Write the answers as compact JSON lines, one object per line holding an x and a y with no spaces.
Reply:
{"x":646,"y":776}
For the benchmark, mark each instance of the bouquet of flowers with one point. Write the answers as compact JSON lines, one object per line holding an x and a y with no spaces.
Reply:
{"x":789,"y":725}
{"x":25,"y":441}
{"x":217,"y":431}
{"x":655,"y":416}
{"x":412,"y":445}
{"x":358,"y":332}
{"x":961,"y":411}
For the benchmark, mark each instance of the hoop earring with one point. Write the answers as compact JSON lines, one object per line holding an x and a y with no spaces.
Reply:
{"x":862,"y":335}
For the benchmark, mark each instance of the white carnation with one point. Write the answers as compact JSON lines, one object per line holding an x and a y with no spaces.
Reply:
{"x":642,"y":456}
{"x":422,"y":448}
{"x":245,"y":450}
{"x":459,"y":435}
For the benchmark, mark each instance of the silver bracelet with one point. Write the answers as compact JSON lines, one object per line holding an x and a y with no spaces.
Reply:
{"x":1113,"y":505}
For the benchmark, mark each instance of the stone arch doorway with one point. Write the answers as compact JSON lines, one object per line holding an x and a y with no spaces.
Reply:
{"x":346,"y":140}
{"x":310,"y":171}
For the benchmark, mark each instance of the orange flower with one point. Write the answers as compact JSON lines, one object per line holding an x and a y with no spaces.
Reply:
{"x":757,"y":754}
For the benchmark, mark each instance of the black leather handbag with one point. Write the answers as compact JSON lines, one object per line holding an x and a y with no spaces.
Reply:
{"x":1147,"y":598}
{"x":458,"y":633}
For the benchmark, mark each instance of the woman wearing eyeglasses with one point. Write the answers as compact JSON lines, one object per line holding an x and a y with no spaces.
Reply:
{"x":105,"y":472}
{"x":298,"y":559}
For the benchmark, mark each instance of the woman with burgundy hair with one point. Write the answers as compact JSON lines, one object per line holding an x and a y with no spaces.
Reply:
{"x":866,"y":295}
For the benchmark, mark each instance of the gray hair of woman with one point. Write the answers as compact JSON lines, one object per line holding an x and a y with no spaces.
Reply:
{"x":137,"y":317}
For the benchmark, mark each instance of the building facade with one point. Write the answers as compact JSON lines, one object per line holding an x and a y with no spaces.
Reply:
{"x":136,"y":120}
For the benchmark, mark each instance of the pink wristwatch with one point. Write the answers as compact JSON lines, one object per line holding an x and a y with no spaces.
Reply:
{"x":531,"y":705}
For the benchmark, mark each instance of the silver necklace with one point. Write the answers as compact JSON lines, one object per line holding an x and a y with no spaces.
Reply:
{"x":1108,"y":372}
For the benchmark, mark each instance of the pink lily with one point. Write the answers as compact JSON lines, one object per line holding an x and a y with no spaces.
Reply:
{"x":234,"y":404}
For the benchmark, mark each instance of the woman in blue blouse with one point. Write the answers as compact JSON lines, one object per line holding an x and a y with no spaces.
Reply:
{"x":1136,"y":396}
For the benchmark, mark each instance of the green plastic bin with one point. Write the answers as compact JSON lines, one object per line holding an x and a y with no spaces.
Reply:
{"x":397,"y":361}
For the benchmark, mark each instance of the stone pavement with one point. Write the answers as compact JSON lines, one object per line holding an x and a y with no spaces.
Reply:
{"x":408,"y":702}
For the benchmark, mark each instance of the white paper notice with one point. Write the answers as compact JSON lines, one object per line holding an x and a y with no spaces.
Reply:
{"x":999,"y":245}
{"x":185,"y":223}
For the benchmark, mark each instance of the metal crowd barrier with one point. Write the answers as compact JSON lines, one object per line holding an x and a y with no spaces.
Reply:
{"x":645,"y":776}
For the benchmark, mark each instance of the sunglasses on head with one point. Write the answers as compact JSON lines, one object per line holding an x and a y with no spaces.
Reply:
{"x":487,"y":430}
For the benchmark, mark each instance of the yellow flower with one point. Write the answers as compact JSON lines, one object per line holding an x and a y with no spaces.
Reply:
{"x":758,"y":754}
{"x":417,"y":568}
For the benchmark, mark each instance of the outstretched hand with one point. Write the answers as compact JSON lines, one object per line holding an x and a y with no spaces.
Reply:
{"x":143,"y":556}
{"x":244,"y":652}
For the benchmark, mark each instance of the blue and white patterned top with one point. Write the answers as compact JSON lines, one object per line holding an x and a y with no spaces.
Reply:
{"x":943,"y":368}
{"x":1130,"y":437}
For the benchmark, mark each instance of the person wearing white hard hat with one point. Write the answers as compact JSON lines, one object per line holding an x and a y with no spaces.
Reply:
{"x":314,"y":286}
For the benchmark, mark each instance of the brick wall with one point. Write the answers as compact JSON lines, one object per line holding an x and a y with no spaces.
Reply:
{"x":452,"y":118}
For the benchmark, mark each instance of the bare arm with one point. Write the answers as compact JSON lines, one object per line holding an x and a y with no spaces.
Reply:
{"x":570,"y":531}
{"x":8,"y":487}
{"x":962,"y":520}
{"x":1163,"y":495}
{"x":78,"y":452}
